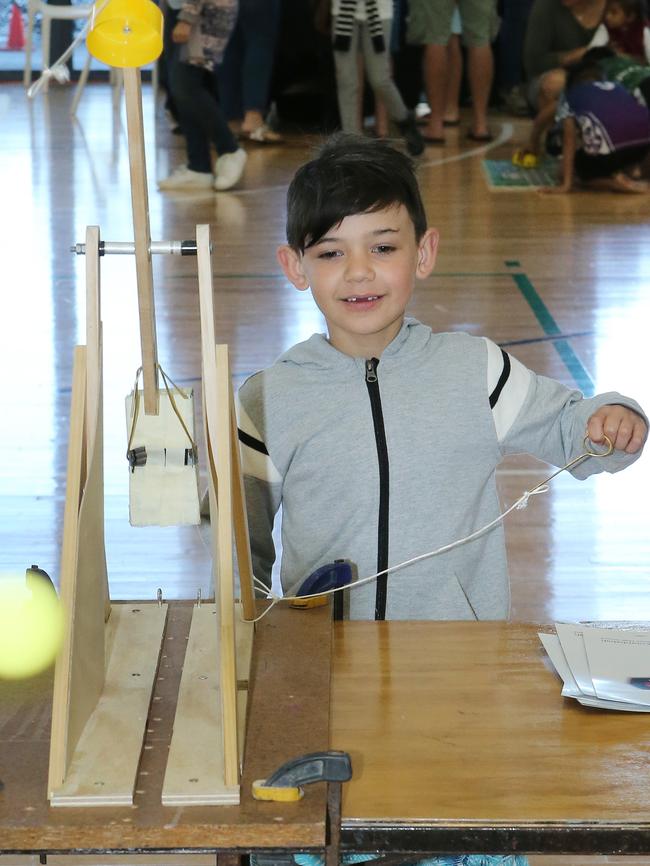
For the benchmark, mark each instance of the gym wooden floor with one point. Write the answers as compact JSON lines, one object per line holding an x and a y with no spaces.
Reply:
{"x":561,"y":281}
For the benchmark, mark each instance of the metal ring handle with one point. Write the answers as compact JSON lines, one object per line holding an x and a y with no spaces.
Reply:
{"x":589,"y":450}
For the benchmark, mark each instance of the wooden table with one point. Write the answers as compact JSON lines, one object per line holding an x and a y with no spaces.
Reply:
{"x":288,"y":716}
{"x":459,"y":739}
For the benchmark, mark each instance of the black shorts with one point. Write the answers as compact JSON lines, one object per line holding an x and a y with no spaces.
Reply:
{"x":591,"y":167}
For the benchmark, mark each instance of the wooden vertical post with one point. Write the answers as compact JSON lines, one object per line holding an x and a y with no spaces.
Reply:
{"x":226,"y":493}
{"x":142,"y":238}
{"x":93,"y":319}
{"x":225,"y":570}
{"x":75,"y":483}
{"x":94,"y":373}
{"x":242,"y":539}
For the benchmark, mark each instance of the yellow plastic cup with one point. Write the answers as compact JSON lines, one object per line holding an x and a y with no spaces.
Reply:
{"x":126,"y":33}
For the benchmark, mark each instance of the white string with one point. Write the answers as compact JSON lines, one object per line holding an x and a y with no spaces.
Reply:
{"x":256,"y":580}
{"x":522,"y":502}
{"x":58,"y":70}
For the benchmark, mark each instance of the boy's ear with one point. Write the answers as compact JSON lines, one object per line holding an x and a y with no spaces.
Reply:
{"x":291,"y":263}
{"x":427,"y":252}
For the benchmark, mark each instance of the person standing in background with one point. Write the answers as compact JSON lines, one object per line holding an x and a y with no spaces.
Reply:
{"x":198,"y":33}
{"x":365,"y":26}
{"x":510,"y":56}
{"x":245,"y":73}
{"x":430,"y":24}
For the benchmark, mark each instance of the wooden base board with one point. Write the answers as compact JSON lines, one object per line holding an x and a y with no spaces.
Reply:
{"x":104,"y":766}
{"x":195,"y":767}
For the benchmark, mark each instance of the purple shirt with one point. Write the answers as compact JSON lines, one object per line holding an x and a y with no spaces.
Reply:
{"x":608,"y":117}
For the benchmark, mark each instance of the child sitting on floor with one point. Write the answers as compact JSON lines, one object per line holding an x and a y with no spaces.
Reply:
{"x":605,"y":134}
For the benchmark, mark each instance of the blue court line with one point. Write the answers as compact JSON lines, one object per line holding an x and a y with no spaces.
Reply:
{"x":571,"y":361}
{"x":528,"y":340}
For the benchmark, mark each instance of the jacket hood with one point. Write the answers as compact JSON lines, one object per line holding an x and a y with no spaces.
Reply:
{"x":318,"y":353}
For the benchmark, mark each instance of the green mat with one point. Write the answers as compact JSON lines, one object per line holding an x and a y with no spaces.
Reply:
{"x":501,"y":175}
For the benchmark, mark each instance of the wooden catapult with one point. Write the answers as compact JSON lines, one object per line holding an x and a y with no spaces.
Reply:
{"x":106,"y":671}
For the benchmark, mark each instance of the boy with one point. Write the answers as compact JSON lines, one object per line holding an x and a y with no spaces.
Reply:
{"x":381,"y":440}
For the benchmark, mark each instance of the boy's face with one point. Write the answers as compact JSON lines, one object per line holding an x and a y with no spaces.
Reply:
{"x":361,"y":274}
{"x":615,"y":16}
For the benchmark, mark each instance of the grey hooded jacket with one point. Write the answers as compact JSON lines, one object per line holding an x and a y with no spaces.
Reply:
{"x":378,"y":462}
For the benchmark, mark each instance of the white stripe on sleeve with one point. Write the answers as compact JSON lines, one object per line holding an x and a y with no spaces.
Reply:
{"x":509,"y":394}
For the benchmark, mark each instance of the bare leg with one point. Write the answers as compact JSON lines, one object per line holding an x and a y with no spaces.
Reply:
{"x":381,"y":118}
{"x":252,"y":119}
{"x":435,"y":73}
{"x":619,"y":182}
{"x":454,"y":78}
{"x":481,"y":72}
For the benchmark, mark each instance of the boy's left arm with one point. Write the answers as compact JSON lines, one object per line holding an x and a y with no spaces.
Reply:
{"x":537,"y":415}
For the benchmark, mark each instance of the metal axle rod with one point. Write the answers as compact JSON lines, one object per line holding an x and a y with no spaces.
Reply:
{"x":127,"y":248}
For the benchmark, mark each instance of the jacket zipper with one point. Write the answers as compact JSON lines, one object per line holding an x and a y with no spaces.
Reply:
{"x":372,"y":383}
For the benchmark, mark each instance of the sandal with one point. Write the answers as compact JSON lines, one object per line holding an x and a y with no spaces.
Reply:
{"x":479,"y":137}
{"x":263,"y":135}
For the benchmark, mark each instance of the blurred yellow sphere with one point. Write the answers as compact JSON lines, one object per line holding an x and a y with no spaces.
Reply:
{"x":31,"y":626}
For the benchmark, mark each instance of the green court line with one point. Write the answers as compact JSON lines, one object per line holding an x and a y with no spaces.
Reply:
{"x":550,"y":327}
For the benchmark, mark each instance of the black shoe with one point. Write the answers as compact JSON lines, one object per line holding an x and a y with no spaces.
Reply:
{"x":411,"y":135}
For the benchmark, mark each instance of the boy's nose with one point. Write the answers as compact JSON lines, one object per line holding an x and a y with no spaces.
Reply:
{"x":358,"y":268}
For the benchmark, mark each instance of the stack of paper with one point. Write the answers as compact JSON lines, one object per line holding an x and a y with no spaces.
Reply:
{"x":604,"y":665}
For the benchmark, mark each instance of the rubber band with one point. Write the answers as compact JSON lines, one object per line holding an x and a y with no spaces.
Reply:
{"x":136,"y":407}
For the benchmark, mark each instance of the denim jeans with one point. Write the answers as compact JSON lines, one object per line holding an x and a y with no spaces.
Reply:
{"x":511,"y":42}
{"x":200,"y":116}
{"x":245,"y":74}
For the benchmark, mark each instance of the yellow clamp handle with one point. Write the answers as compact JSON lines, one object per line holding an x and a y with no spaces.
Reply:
{"x":275,"y":793}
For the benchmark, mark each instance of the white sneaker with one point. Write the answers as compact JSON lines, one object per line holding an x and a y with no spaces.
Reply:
{"x":184,"y":178}
{"x":229,"y":169}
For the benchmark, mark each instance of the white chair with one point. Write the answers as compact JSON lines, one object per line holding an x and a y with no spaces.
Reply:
{"x":47,"y":11}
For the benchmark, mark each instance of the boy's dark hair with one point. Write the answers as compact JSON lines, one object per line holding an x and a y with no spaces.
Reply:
{"x":350,"y":175}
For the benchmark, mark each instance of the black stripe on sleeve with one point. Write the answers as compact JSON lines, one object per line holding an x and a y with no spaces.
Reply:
{"x":246,"y":439}
{"x":503,"y":378}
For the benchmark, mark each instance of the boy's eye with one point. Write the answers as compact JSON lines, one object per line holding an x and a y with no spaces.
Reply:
{"x":384,"y":248}
{"x":328,"y":254}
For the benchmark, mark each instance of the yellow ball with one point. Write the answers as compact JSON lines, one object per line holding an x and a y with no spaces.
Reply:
{"x":31,"y":626}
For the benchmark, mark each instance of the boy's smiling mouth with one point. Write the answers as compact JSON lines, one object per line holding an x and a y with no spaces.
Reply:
{"x":362,"y":299}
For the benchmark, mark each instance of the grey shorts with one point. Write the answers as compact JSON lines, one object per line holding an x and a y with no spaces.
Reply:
{"x":429,"y":22}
